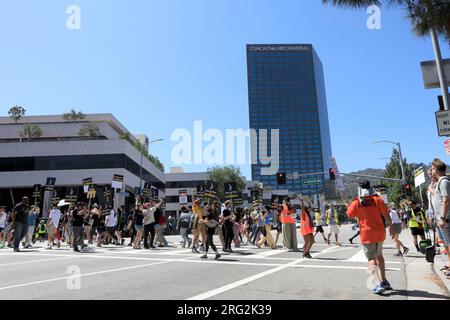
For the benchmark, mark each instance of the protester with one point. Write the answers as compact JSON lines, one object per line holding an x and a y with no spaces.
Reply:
{"x":111,"y":222}
{"x":307,"y":228}
{"x":183,"y":225}
{"x":138,"y":222}
{"x":441,"y":205}
{"x":277,"y":223}
{"x":212,"y":215}
{"x":149,"y":224}
{"x":319,"y":225}
{"x":417,"y":223}
{"x":20,"y":222}
{"x":397,"y":230}
{"x":32,"y":216}
{"x":52,"y":226}
{"x":77,"y":225}
{"x":237,"y":227}
{"x":228,"y":227}
{"x":267,"y":232}
{"x":333,"y":223}
{"x":160,"y":227}
{"x":369,"y":209}
{"x":289,"y":227}
{"x":3,"y":219}
{"x":198,"y":227}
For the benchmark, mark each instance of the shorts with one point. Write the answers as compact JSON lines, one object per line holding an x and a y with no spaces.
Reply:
{"x":138,"y":227}
{"x":445,"y":233}
{"x":397,"y":228}
{"x":334,"y":228}
{"x":417,"y":232}
{"x":319,"y":229}
{"x":51,"y":230}
{"x":373,"y":250}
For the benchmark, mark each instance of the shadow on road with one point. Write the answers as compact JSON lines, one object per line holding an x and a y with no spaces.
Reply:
{"x":414,"y":293}
{"x":229,"y":260}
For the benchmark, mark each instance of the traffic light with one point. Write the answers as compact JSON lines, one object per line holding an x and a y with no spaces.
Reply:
{"x":332,"y":176}
{"x":408,"y":189}
{"x":281,"y":177}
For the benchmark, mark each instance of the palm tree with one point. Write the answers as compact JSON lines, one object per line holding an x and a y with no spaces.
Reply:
{"x":424,"y":15}
{"x":31,"y":131}
{"x":89,"y":130}
{"x":74,"y":116}
{"x":16,"y":113}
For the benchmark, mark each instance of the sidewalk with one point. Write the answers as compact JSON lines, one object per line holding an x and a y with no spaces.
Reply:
{"x":424,"y":280}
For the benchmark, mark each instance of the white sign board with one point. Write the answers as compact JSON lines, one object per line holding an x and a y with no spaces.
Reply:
{"x":430,"y":74}
{"x":443,"y":123}
{"x":183,"y":196}
{"x":339,"y":181}
{"x":419,"y":176}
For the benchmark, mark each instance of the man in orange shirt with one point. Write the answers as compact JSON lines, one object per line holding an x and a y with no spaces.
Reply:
{"x":289,"y":227}
{"x":369,"y":208}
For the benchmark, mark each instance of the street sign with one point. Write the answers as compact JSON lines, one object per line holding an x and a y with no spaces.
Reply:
{"x":419,"y":176}
{"x":312,"y":181}
{"x":443,"y":123}
{"x":430,"y":74}
{"x":447,"y":147}
{"x":124,"y":194}
{"x":183,"y":196}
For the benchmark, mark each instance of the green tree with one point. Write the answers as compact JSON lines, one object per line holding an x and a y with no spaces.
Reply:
{"x":90,"y":130}
{"x":221,"y":175}
{"x":423,"y":14}
{"x":393,"y":170}
{"x":16,"y":113}
{"x":31,"y":131}
{"x":74,"y":116}
{"x":153,"y":159}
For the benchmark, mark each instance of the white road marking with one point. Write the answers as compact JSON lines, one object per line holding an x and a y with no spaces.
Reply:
{"x":241,"y":282}
{"x":358,"y":257}
{"x":266,"y":254}
{"x":337,"y":267}
{"x":33,"y":261}
{"x":81,"y":275}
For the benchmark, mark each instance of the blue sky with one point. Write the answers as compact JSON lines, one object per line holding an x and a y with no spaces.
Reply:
{"x":159,"y":65}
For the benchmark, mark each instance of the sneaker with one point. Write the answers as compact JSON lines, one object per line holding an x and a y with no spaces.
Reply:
{"x":16,"y":250}
{"x":122,"y":242}
{"x":378,"y":289}
{"x":194,"y":250}
{"x":217,"y":256}
{"x":153,"y":247}
{"x":49,"y":248}
{"x":350,"y":240}
{"x":405,"y":251}
{"x":386,"y":285}
{"x":204,"y":256}
{"x":59,"y":244}
{"x":308,"y":256}
{"x":76,"y":250}
{"x":398,"y":254}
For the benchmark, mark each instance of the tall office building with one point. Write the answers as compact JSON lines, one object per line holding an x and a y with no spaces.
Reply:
{"x":287,"y":92}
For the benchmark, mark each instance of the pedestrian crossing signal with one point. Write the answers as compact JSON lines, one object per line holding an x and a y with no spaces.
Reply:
{"x":281,"y":177}
{"x":332,"y":176}
{"x":408,"y":189}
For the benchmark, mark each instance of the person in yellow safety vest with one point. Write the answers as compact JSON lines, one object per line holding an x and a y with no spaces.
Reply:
{"x":417,"y":223}
{"x":333,"y":223}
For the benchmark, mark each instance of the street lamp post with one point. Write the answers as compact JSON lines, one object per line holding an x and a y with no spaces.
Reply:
{"x":401,"y":160}
{"x":142,"y":155}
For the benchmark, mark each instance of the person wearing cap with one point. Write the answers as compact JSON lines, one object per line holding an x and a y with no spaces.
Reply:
{"x":369,"y":208}
{"x":20,"y":221}
{"x":289,"y":227}
{"x":198,"y":226}
{"x":417,"y":223}
{"x":52,"y":226}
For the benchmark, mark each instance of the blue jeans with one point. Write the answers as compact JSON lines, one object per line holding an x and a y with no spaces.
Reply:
{"x":20,"y":232}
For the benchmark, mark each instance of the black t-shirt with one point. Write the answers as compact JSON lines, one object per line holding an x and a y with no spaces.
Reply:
{"x":77,"y":220}
{"x":138,"y":218}
{"x":22,"y":212}
{"x":157,"y":215}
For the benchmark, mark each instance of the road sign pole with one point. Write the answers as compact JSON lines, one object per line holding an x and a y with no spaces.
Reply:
{"x":440,"y":68}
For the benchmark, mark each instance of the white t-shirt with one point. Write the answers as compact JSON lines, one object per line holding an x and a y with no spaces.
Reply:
{"x":395,"y":217}
{"x":55,"y":215}
{"x":111,"y":221}
{"x":3,"y":220}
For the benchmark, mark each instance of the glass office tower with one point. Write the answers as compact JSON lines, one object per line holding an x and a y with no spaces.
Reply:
{"x":287,"y":92}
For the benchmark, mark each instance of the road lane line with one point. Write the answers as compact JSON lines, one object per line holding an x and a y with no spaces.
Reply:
{"x":338,"y":267}
{"x":32,"y":261}
{"x":81,"y":275}
{"x":241,"y":282}
{"x":358,"y":257}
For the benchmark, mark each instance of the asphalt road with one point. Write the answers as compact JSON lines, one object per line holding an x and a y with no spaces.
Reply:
{"x":113,"y":272}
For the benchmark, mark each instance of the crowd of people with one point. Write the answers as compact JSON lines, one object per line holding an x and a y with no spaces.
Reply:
{"x":82,"y":224}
